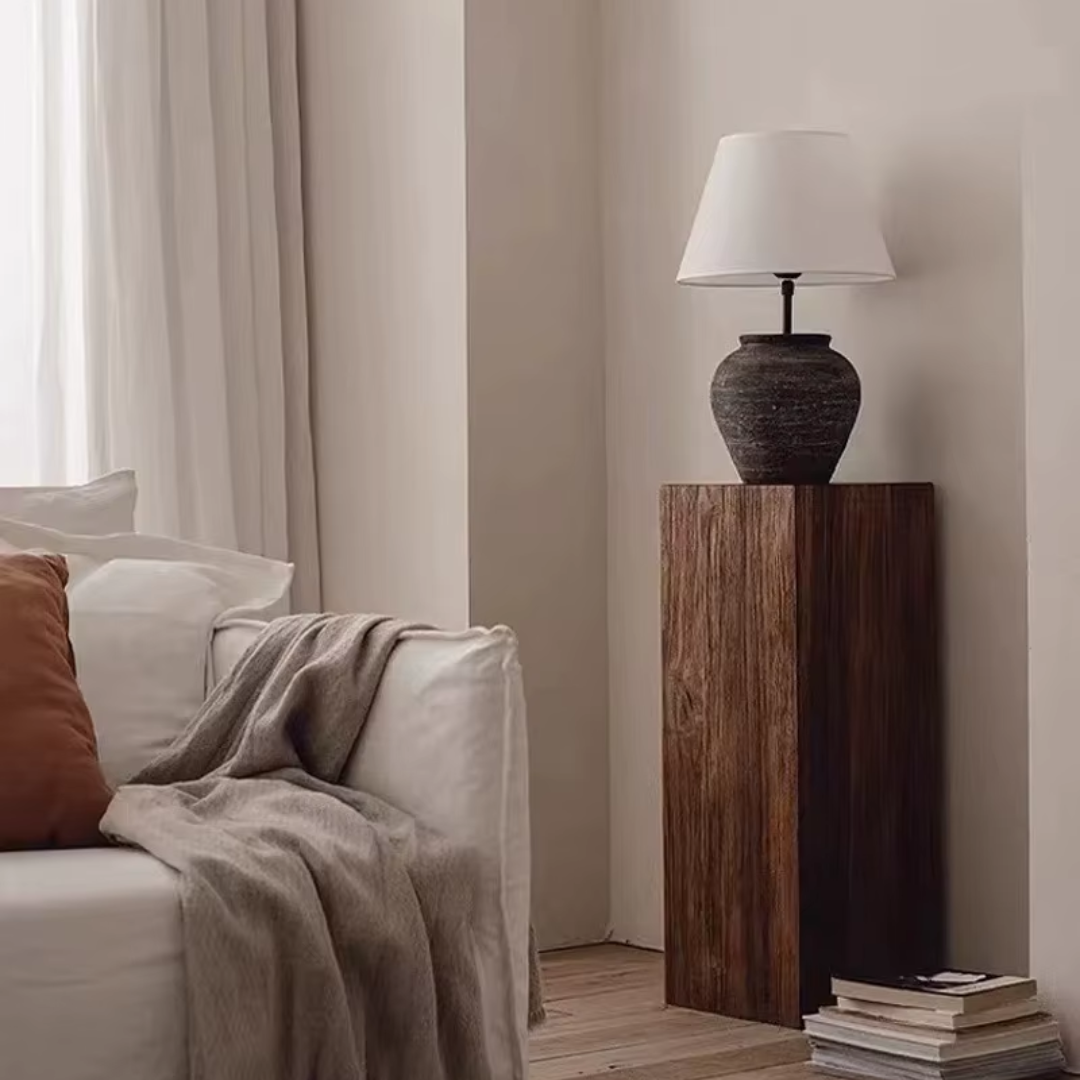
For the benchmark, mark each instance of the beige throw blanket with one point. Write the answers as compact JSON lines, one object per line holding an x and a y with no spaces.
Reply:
{"x":326,"y":935}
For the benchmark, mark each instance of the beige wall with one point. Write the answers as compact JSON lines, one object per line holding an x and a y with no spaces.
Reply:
{"x":937,"y":110}
{"x":1052,"y":285}
{"x":383,"y":108}
{"x":536,"y":420}
{"x":451,"y":190}
{"x":460,"y":405}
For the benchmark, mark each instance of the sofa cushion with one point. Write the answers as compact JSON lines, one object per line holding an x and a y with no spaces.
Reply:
{"x":101,"y":507}
{"x":91,"y":967}
{"x":143,"y":611}
{"x":52,"y":792}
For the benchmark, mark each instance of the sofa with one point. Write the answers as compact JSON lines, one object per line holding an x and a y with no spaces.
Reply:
{"x":91,"y":943}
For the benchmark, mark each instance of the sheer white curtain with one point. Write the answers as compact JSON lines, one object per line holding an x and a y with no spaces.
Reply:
{"x":169,"y":314}
{"x":18,"y":457}
{"x":43,"y":432}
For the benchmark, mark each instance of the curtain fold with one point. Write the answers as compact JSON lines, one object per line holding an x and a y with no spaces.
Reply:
{"x":194,"y":305}
{"x":56,"y":249}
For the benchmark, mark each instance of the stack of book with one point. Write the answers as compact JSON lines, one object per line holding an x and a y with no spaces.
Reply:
{"x":949,"y":1026}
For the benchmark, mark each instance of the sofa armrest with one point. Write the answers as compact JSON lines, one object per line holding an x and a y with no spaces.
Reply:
{"x":446,"y":742}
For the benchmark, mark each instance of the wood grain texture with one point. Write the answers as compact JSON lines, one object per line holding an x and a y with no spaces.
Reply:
{"x":802,"y":762}
{"x":870,"y":792}
{"x":730,"y":751}
{"x":607,"y":1018}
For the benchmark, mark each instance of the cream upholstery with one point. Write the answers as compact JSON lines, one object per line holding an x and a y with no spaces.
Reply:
{"x":91,"y":946}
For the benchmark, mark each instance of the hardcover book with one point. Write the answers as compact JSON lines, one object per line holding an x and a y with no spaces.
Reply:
{"x":931,"y":1045}
{"x":935,"y":1018}
{"x":947,"y":991}
{"x":1045,"y":1059}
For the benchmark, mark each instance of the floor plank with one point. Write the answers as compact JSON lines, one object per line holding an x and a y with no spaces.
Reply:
{"x":607,"y":1018}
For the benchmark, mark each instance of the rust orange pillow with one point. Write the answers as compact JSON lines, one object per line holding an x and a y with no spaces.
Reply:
{"x":52,"y":792}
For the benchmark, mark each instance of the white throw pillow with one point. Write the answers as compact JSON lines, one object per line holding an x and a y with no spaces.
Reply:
{"x":101,"y":507}
{"x":143,"y":613}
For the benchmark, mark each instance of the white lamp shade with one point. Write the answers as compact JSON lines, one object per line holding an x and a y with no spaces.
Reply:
{"x":785,"y":202}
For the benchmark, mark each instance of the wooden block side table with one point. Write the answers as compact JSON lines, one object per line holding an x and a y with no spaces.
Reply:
{"x":801,"y":742}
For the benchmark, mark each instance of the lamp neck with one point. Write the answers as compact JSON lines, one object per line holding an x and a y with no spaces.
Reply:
{"x":787,"y":291}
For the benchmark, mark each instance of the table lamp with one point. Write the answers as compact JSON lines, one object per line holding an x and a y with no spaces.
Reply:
{"x":779,"y":208}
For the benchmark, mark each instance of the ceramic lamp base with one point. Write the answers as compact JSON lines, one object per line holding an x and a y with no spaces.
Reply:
{"x":786,"y":405}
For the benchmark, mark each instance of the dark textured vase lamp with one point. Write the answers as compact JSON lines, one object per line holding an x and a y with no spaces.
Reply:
{"x":782,"y":208}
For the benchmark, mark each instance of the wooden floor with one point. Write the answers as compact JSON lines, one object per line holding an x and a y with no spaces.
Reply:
{"x":607,"y":1018}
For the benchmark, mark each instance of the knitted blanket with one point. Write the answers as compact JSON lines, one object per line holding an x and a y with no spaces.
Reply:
{"x":327,"y":935}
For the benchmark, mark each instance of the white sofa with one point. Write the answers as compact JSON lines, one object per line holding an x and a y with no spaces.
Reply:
{"x":91,"y":944}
